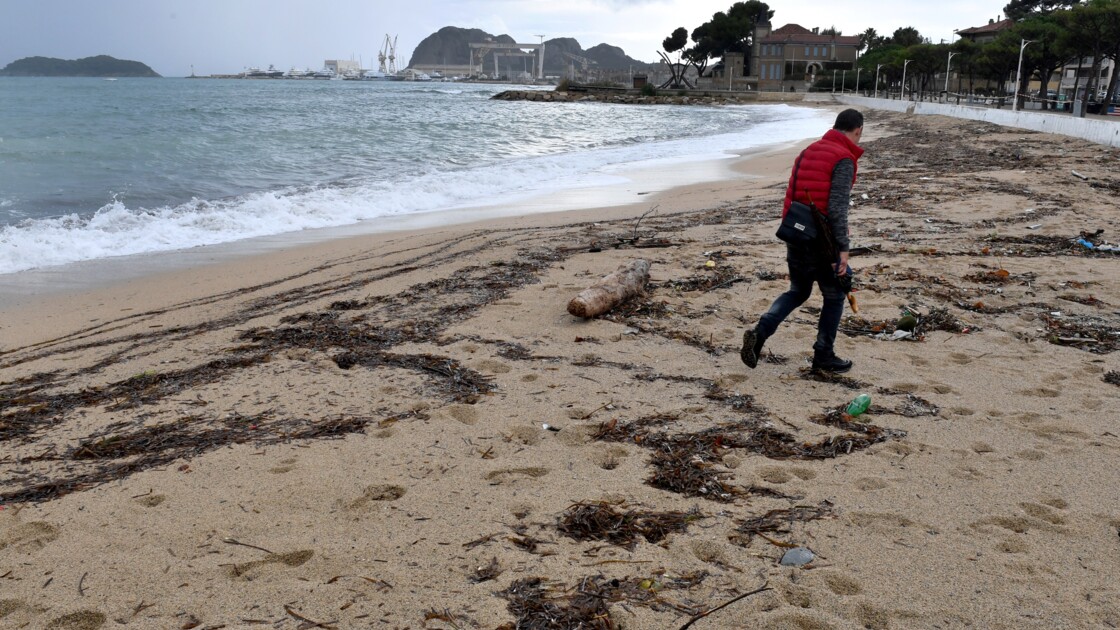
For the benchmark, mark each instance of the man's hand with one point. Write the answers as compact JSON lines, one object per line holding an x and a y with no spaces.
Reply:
{"x":842,"y":268}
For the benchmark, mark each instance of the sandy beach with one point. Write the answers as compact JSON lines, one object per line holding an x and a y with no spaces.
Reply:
{"x":409,"y":430}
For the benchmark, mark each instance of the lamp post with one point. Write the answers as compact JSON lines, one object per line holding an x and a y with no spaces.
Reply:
{"x":1018,"y":73}
{"x":877,"y":78}
{"x":904,"y":64}
{"x":834,"y":81}
{"x":858,"y":70}
{"x":947,"y":72}
{"x":843,"y":80}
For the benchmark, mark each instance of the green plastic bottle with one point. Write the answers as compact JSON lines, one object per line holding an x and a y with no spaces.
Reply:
{"x":858,"y":405}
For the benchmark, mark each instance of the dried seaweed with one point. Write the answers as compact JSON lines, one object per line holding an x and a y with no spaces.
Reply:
{"x":779,"y":521}
{"x":115,"y":453}
{"x":715,"y":278}
{"x":618,"y":525}
{"x":1112,"y":377}
{"x":688,"y":463}
{"x":1091,"y":334}
{"x":538,"y":609}
{"x":539,"y":605}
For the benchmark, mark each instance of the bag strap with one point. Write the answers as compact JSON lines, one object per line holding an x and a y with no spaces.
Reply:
{"x":796,"y":168}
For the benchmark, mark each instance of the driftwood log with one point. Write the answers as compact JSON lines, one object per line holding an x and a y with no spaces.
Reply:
{"x":628,"y":280}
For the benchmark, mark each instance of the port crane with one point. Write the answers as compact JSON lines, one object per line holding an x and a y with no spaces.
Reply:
{"x":584,"y":62}
{"x":388,"y":53}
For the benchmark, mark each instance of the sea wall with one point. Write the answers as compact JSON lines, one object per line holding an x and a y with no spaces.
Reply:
{"x":1099,"y":131}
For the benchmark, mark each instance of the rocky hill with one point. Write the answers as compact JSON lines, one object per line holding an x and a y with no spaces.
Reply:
{"x":99,"y":66}
{"x":450,"y":46}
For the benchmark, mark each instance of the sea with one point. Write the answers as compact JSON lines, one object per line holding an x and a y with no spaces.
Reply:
{"x":94,"y":169}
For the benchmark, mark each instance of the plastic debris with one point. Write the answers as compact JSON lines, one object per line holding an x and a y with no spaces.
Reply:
{"x":796,"y":557}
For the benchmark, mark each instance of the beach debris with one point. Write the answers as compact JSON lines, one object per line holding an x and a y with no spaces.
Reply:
{"x":627,"y":281}
{"x":778,"y":521}
{"x":548,"y":427}
{"x":714,"y":278}
{"x":539,"y":604}
{"x":621,"y":525}
{"x":1079,"y":175}
{"x":486,"y":572}
{"x":1112,"y":377}
{"x":698,"y":617}
{"x":1084,"y":332}
{"x":796,"y":557}
{"x":534,"y":606}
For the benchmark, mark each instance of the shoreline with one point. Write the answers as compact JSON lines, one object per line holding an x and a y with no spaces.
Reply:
{"x":672,"y":182}
{"x":353,"y":432}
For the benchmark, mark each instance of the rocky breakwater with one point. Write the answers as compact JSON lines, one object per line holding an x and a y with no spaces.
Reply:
{"x":703,"y":98}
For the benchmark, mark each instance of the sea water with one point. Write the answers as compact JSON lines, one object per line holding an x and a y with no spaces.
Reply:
{"x":92,"y":169}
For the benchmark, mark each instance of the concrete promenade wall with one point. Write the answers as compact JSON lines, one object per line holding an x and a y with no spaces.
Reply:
{"x":1099,"y":131}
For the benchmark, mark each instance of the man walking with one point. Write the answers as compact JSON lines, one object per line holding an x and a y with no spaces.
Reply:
{"x":824,"y":174}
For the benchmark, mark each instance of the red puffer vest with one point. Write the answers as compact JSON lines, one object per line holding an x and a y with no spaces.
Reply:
{"x":813,"y":171}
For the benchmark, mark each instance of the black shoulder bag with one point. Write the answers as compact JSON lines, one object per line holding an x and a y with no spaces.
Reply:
{"x":798,"y":226}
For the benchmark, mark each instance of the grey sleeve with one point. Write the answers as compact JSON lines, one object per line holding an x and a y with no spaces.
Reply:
{"x":839,"y":199}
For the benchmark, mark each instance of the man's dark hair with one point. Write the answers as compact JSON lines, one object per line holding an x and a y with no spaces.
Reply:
{"x":848,"y":120}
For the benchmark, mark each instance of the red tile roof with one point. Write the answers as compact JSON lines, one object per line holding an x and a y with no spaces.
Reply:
{"x":994,"y":27}
{"x":797,"y":34}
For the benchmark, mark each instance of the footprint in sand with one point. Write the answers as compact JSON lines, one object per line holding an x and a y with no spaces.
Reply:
{"x":778,"y":474}
{"x":608,"y":458}
{"x":882,"y":522}
{"x":960,"y":358}
{"x":1031,"y":455}
{"x":1012,"y":545}
{"x":529,"y":436}
{"x":842,"y":584}
{"x":247,"y":570}
{"x":1042,"y":512}
{"x":286,"y":465}
{"x":868,"y":484}
{"x":1058,"y":433}
{"x":512,"y":475}
{"x":9,"y":606}
{"x":152,"y":500}
{"x":1040,"y":392}
{"x":1017,"y":524}
{"x":918,"y":361}
{"x":872,"y":617}
{"x":467,"y":414}
{"x":384,"y":492}
{"x":81,"y":620}
{"x":29,"y":536}
{"x":493,"y":367}
{"x":709,"y":551}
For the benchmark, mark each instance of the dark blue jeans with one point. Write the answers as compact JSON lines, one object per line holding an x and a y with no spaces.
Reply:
{"x":805,"y":268}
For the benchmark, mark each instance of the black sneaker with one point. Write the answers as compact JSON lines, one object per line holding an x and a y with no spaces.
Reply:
{"x":833,"y":364}
{"x":752,"y":348}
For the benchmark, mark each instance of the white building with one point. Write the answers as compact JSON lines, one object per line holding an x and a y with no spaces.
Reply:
{"x":341,"y":67}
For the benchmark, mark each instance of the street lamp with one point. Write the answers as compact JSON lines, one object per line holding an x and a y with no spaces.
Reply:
{"x":947,"y":72}
{"x":877,"y":79}
{"x":1018,"y":73}
{"x":833,"y":81}
{"x":858,"y":70}
{"x":904,"y":64}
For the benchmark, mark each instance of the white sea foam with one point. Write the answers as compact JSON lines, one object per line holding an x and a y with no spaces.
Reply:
{"x":117,"y":229}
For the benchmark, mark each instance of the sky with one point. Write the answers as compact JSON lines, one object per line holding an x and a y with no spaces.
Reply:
{"x":228,"y":36}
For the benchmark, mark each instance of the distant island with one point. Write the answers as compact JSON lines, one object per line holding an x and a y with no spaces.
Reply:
{"x":99,"y":66}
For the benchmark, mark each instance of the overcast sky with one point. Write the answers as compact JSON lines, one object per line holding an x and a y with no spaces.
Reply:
{"x":226,"y":36}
